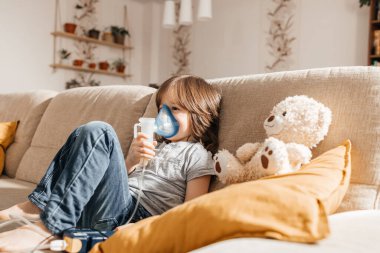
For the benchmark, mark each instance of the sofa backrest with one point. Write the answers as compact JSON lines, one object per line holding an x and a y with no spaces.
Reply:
{"x":28,"y":108}
{"x":353,"y":95}
{"x":120,"y":106}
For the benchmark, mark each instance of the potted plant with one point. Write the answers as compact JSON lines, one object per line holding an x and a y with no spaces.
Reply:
{"x":119,"y":65}
{"x":93,"y":83}
{"x":107,"y":35}
{"x":78,"y":62}
{"x":93,"y":33}
{"x":69,"y":27}
{"x":103,"y":65}
{"x":91,"y":65}
{"x":64,"y":55}
{"x":119,"y":34}
{"x":364,"y":2}
{"x":73,"y":83}
{"x":368,"y":3}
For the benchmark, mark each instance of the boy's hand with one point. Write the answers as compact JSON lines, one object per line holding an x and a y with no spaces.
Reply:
{"x":140,"y":148}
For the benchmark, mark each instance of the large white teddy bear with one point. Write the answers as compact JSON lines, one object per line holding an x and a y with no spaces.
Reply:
{"x":294,"y":126}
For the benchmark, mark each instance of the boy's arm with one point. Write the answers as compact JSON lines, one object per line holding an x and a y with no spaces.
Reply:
{"x":197,"y":187}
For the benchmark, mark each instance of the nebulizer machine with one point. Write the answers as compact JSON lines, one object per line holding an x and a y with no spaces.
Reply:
{"x":82,"y":240}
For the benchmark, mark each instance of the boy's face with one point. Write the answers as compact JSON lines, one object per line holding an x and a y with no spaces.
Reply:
{"x":181,"y":115}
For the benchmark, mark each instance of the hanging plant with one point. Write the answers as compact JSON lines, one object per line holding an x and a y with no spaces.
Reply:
{"x":364,"y":2}
{"x":279,"y":40}
{"x":181,"y":53}
{"x":86,"y":9}
{"x":367,"y":2}
{"x":82,"y":82}
{"x":85,"y":50}
{"x":85,"y":16}
{"x":64,"y":54}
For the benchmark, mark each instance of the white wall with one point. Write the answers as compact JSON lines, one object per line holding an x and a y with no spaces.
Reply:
{"x":329,"y":33}
{"x":26,"y":46}
{"x":332,"y":33}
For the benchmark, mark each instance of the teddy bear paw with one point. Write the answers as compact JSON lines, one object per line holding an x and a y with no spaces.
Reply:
{"x":273,"y":157}
{"x":227,"y":167}
{"x":265,"y":157}
{"x":220,"y":161}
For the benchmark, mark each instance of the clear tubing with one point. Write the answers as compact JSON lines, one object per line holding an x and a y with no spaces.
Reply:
{"x":21,"y":221}
{"x":24,"y":221}
{"x":140,"y":184}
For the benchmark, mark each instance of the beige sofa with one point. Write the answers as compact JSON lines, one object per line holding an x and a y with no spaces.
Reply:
{"x":352,"y":93}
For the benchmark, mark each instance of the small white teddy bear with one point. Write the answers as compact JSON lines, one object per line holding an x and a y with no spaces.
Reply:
{"x":294,"y":126}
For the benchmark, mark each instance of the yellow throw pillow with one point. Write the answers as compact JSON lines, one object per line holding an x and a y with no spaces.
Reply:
{"x":7,"y":134}
{"x":291,"y":207}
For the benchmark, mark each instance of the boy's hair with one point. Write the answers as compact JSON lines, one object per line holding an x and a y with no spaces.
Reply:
{"x":202,"y":100}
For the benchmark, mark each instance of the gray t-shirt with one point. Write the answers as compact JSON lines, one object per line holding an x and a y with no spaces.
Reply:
{"x":167,"y":174}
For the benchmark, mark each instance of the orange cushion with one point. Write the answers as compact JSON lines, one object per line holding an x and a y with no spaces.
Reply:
{"x":291,"y":207}
{"x":7,"y":134}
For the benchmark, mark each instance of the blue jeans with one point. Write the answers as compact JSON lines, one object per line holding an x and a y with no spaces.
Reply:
{"x":86,"y":185}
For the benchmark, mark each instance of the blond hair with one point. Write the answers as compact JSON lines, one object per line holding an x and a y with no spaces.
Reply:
{"x":202,"y":100}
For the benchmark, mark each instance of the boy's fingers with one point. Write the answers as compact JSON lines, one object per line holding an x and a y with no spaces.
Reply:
{"x":148,"y":144}
{"x":147,"y":151}
{"x":147,"y":156}
{"x":142,"y":135}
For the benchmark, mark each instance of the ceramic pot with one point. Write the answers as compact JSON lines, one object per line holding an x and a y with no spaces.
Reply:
{"x":120,"y":68}
{"x":93,"y":33}
{"x":91,"y":65}
{"x":107,"y":36}
{"x":103,"y":65}
{"x":119,"y":39}
{"x":69,"y":27}
{"x":78,"y":63}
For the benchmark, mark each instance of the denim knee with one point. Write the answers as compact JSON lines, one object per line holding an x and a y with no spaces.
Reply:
{"x":96,"y":126}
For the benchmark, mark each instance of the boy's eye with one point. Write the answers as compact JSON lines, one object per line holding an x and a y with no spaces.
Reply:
{"x":175,"y":108}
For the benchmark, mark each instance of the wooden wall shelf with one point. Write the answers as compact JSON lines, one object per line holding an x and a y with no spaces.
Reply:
{"x":84,"y":69}
{"x":90,"y":40}
{"x":122,"y":51}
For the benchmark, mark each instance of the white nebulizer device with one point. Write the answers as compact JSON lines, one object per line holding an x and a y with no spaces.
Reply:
{"x":165,"y":125}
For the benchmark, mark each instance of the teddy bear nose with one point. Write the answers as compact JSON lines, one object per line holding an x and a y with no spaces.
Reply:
{"x":271,"y":118}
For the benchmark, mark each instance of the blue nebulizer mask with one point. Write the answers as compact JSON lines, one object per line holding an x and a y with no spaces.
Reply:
{"x":164,"y":124}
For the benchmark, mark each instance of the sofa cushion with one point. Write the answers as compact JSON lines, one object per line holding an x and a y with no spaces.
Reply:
{"x":28,"y":108}
{"x":13,"y":191}
{"x":290,"y":207}
{"x":120,"y":106}
{"x":351,"y":232}
{"x":7,"y":134}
